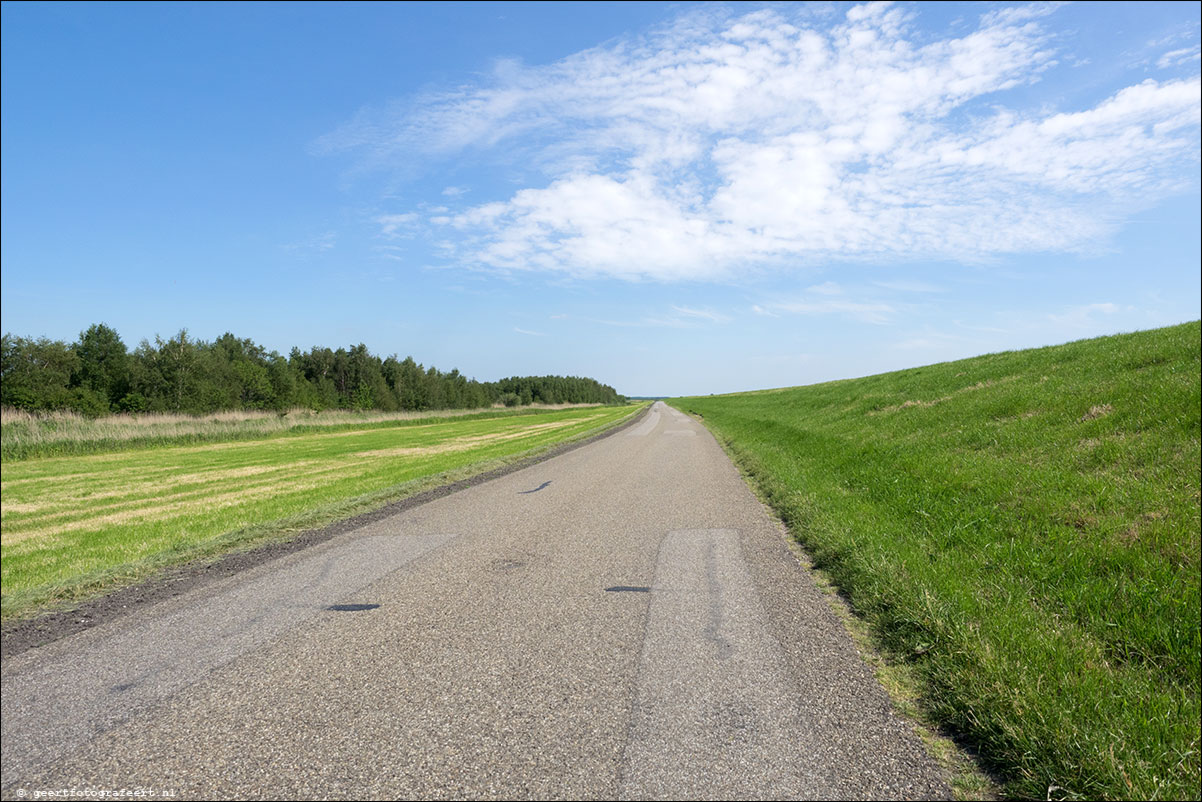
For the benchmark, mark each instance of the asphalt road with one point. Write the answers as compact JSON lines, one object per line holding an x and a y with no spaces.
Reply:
{"x":621,"y":621}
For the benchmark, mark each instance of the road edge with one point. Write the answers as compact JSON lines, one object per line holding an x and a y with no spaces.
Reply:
{"x":19,"y":636}
{"x":965,"y":774}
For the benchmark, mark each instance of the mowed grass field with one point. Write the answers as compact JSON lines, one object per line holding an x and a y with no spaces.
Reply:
{"x":74,"y":526}
{"x":1021,"y":531}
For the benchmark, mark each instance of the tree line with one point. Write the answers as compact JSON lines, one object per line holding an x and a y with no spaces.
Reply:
{"x":98,"y":374}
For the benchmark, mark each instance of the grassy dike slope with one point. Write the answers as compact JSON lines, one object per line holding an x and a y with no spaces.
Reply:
{"x":76,"y":526}
{"x":1023,"y":529}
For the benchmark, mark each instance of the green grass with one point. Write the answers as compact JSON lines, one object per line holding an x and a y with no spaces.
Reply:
{"x":1023,"y":530}
{"x":75,"y":526}
{"x":25,"y":435}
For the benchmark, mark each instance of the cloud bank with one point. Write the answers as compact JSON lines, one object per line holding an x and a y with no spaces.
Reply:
{"x":724,"y":144}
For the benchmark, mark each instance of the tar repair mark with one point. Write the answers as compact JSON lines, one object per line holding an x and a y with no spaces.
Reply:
{"x":628,"y":589}
{"x":535,"y":490}
{"x":351,"y":608}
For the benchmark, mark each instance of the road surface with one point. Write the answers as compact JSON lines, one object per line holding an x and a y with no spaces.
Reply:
{"x":621,"y":621}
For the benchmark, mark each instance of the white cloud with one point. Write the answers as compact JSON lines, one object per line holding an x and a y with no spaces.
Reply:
{"x":877,"y":313}
{"x":670,"y":322}
{"x":704,"y":314}
{"x":826,"y":288}
{"x":529,"y":333}
{"x":1180,"y":56}
{"x":1101,"y":151}
{"x":681,"y":317}
{"x":1084,"y":316}
{"x":904,"y":285}
{"x":724,"y":143}
{"x":396,"y":225}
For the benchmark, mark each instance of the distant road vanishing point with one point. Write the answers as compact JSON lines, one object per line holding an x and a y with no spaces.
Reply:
{"x":621,"y":621}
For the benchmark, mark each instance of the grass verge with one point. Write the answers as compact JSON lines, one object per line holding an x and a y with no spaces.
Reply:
{"x":76,"y":527}
{"x":1021,"y":530}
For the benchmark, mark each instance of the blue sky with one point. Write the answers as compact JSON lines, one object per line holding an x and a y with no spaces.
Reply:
{"x":671,"y":198}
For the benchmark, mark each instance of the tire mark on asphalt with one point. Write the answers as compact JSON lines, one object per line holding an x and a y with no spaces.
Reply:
{"x":713,"y":711}
{"x":647,"y":426}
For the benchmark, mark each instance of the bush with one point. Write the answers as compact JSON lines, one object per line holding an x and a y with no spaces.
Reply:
{"x":133,"y":402}
{"x":88,"y":402}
